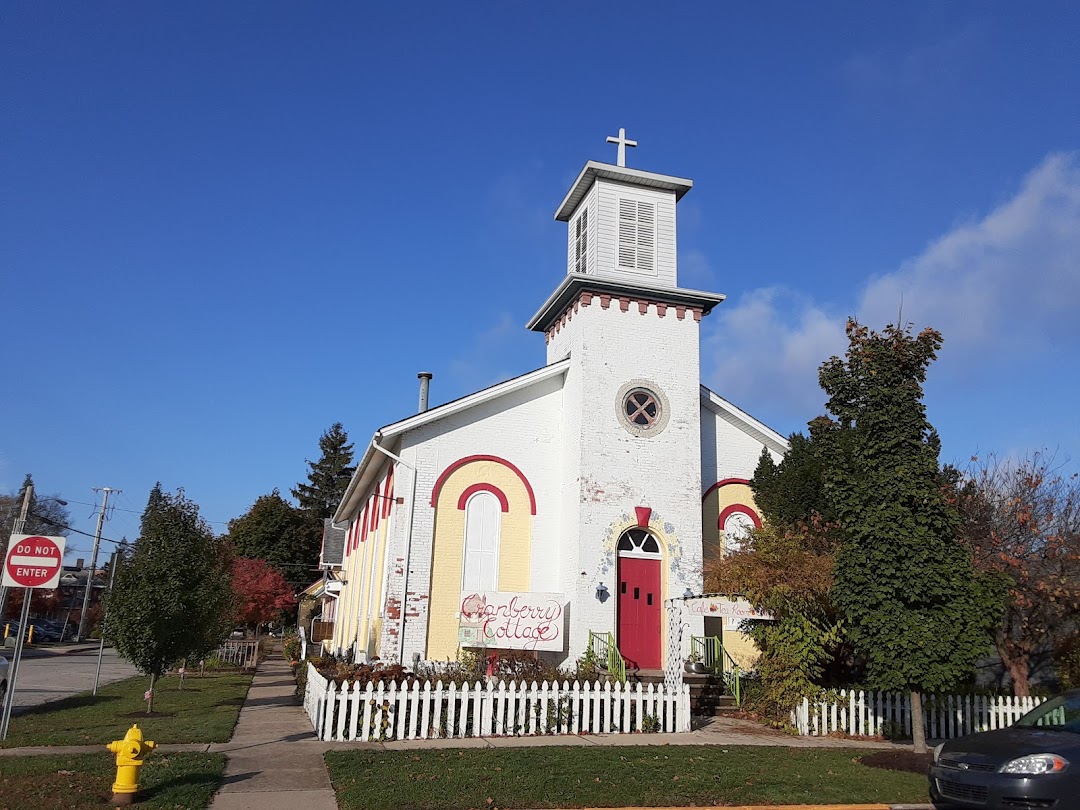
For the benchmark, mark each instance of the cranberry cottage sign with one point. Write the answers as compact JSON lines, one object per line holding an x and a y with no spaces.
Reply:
{"x":512,"y":621}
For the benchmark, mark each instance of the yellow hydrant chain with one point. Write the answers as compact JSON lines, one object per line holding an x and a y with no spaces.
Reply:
{"x":129,"y":758}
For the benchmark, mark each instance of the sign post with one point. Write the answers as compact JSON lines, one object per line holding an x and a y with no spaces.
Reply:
{"x":32,"y":561}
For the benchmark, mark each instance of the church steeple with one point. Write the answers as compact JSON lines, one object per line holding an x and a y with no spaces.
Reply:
{"x":622,"y":221}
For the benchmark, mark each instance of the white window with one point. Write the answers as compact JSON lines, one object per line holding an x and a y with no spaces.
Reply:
{"x":637,"y":235}
{"x":581,"y":242}
{"x":483,"y":518}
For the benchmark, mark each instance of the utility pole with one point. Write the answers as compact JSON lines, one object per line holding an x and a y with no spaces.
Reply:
{"x":93,"y":560}
{"x":20,"y":524}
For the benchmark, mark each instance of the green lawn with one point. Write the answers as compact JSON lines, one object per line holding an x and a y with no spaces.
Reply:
{"x":612,"y":776}
{"x":204,"y":711}
{"x":174,"y":781}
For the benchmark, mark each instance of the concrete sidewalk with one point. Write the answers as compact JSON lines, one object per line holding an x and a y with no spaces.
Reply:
{"x":275,"y":762}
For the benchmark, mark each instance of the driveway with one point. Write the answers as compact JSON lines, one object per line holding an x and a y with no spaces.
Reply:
{"x":52,"y":675}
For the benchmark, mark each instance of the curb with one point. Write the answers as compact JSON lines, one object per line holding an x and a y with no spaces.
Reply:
{"x":793,"y":807}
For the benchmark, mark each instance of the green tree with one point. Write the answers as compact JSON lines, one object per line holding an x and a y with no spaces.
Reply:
{"x":328,"y":477}
{"x":172,"y":598}
{"x":913,"y":603}
{"x":790,"y":492}
{"x":276,"y":531}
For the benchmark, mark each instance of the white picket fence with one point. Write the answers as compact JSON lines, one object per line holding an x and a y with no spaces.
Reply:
{"x":874,"y":714}
{"x":243,"y":654}
{"x":494,"y":709}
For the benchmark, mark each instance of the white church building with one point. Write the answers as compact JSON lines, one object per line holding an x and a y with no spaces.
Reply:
{"x":572,"y":501}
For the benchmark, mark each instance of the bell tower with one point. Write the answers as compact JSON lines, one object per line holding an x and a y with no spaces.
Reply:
{"x":631,"y":413}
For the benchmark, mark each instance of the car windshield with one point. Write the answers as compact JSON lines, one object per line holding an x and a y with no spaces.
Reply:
{"x":1061,"y":713}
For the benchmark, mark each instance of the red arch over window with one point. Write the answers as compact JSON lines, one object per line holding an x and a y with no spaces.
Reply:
{"x":738,"y":507}
{"x":494,"y":490}
{"x":724,"y":483}
{"x":461,"y":462}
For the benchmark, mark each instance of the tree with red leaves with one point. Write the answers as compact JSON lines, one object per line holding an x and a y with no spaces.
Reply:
{"x":261,"y":591}
{"x":1021,"y":520}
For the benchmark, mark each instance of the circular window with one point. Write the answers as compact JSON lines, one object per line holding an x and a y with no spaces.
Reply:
{"x":642,"y":409}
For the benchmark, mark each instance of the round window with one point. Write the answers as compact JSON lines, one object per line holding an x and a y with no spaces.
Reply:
{"x":641,"y":408}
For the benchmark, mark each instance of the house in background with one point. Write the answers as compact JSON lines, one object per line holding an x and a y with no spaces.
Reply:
{"x":318,"y":602}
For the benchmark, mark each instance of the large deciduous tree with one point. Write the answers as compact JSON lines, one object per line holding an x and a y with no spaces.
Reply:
{"x":914,"y":604}
{"x":328,"y":477}
{"x":276,"y":531}
{"x":46,"y":514}
{"x":1021,"y":520}
{"x":261,"y":592}
{"x":172,"y":598}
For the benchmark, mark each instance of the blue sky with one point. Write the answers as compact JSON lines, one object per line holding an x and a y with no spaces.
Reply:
{"x":226,"y":226}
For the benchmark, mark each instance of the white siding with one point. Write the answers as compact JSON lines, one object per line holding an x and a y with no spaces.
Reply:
{"x":608,"y":195}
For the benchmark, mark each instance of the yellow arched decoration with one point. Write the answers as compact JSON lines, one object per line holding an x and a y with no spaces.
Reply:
{"x":716,"y":500}
{"x":740,"y":646}
{"x":515,"y":547}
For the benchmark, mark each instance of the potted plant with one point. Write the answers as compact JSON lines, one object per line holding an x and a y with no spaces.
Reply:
{"x":694,"y":664}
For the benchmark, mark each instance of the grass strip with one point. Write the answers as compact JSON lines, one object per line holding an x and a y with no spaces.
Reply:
{"x":612,"y":776}
{"x":175,"y":781}
{"x":204,"y":711}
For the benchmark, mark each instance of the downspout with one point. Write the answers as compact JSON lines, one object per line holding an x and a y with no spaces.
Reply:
{"x":408,"y":542}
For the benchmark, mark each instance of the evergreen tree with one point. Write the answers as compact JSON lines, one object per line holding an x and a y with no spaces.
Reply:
{"x":790,"y":492}
{"x":276,"y":531}
{"x":328,"y":477}
{"x":914,"y":606}
{"x":172,"y":599}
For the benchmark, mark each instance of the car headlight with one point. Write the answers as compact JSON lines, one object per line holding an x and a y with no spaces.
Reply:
{"x":1034,"y":764}
{"x":937,"y":751}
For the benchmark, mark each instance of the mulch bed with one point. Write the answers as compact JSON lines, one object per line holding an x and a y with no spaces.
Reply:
{"x":899,"y":761}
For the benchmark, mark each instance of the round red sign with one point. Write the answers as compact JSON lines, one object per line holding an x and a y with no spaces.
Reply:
{"x":33,"y":561}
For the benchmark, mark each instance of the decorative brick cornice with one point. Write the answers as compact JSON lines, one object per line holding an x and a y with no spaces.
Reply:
{"x":644,"y":305}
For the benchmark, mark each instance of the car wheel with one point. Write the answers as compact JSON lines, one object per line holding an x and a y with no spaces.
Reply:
{"x":3,"y":689}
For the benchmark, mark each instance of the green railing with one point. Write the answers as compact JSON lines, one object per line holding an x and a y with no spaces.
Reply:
{"x":602,"y":645}
{"x":711,"y":653}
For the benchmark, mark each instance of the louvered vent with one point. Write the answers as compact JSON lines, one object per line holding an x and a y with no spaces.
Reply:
{"x":582,"y":236}
{"x":637,"y":235}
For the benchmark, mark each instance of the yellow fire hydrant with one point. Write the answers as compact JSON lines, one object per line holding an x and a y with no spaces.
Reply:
{"x":129,"y":758}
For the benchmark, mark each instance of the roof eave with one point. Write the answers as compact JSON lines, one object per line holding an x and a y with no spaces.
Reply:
{"x":565,"y":293}
{"x":594,"y":169}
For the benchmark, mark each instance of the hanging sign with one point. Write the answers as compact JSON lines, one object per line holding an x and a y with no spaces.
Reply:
{"x":512,"y":621}
{"x":734,"y":610}
{"x":33,"y":561}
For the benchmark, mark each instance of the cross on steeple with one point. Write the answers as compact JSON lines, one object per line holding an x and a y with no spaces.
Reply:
{"x":623,"y":142}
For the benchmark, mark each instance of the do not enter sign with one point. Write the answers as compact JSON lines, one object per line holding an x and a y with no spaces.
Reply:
{"x":33,"y":561}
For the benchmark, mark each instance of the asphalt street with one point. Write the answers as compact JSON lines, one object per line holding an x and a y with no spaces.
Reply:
{"x":45,"y":676}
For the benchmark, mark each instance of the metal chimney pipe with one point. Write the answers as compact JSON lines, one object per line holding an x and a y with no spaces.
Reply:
{"x":425,"y":385}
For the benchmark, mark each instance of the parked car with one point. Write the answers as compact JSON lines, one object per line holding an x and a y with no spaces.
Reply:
{"x":1034,"y":763}
{"x":3,"y":677}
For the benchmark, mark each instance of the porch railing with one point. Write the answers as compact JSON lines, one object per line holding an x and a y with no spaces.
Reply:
{"x":602,"y":645}
{"x":718,"y":661}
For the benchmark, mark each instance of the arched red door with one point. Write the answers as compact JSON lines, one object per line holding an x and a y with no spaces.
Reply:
{"x":639,"y":599}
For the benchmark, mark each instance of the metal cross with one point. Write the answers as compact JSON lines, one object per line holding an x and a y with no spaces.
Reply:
{"x":623,"y":142}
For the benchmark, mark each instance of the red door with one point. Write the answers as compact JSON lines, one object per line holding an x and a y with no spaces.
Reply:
{"x":639,"y":611}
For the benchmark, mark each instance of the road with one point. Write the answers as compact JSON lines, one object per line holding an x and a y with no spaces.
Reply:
{"x":45,"y":676}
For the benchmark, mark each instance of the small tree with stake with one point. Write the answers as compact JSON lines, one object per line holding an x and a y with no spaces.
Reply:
{"x":172,"y":598}
{"x":914,"y":605}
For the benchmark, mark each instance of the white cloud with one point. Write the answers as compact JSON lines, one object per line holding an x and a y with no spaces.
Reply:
{"x":1012,"y":276}
{"x":1005,"y":285}
{"x":695,"y":270}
